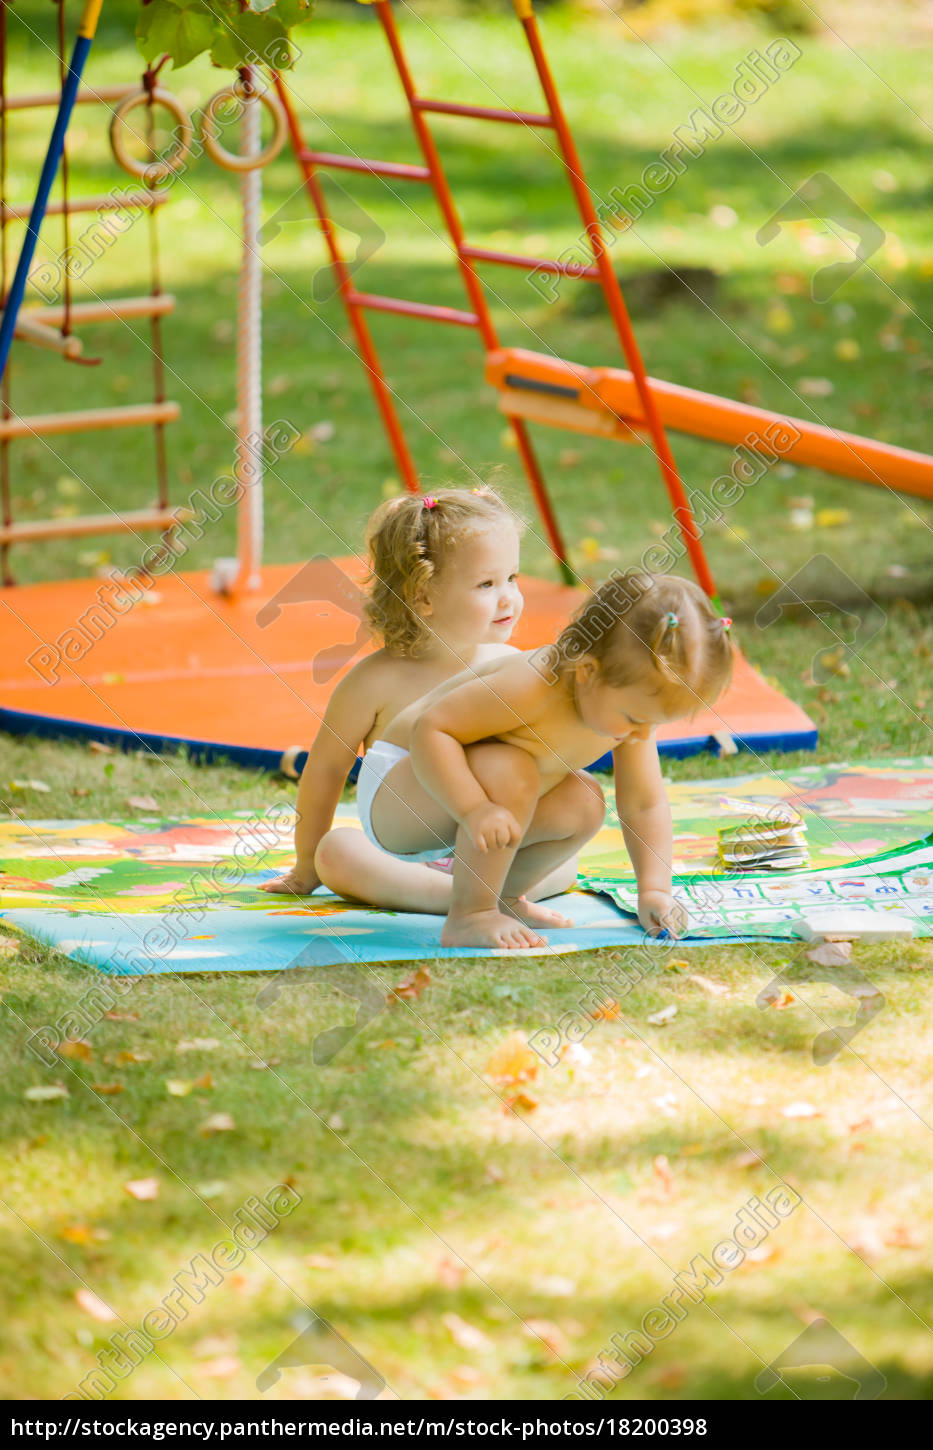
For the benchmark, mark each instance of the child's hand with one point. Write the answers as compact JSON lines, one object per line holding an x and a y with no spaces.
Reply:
{"x":658,"y":911}
{"x":296,"y":882}
{"x":491,"y":827}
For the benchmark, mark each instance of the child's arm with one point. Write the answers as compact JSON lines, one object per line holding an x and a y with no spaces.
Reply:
{"x":480,"y":708}
{"x":645,"y":816}
{"x":348,"y":719}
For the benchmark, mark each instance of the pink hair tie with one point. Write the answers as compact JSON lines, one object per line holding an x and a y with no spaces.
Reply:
{"x":726,"y":624}
{"x":430,"y":502}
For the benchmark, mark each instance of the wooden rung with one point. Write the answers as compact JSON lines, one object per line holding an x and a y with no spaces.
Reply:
{"x":128,"y":416}
{"x":93,"y":524}
{"x":107,"y":310}
{"x":84,"y":97}
{"x":28,"y":329}
{"x":119,"y":201}
{"x":565,"y":413}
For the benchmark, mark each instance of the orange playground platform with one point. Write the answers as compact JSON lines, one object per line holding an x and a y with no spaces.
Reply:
{"x":248,"y":677}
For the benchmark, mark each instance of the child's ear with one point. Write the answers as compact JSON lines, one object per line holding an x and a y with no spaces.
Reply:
{"x":587,"y":669}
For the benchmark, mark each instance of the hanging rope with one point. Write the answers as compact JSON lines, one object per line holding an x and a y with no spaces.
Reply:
{"x":248,"y":470}
{"x":155,"y":289}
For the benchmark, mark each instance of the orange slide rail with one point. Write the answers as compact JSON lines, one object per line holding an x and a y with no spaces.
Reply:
{"x":607,"y":402}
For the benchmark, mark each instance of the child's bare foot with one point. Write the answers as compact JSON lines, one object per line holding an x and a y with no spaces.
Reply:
{"x":489,"y":929}
{"x":533,"y":913}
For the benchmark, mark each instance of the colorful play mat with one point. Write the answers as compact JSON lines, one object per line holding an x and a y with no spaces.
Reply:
{"x":154,"y":895}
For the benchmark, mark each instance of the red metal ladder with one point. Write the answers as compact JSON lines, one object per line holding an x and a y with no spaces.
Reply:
{"x":600,"y":271}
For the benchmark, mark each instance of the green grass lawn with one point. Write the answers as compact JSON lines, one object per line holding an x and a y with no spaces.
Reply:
{"x":547,"y":1230}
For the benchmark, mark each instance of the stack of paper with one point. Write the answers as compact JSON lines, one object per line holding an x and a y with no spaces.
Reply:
{"x":777,"y":842}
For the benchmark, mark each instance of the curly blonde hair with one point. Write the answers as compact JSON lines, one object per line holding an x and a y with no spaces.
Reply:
{"x":409,"y":540}
{"x":657,"y":631}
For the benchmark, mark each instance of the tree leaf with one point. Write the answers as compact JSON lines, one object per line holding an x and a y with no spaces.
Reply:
{"x":195,"y":34}
{"x":156,"y":29}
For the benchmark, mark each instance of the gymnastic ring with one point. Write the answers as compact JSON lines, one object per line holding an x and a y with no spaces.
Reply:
{"x":228,"y":159}
{"x":152,"y":171}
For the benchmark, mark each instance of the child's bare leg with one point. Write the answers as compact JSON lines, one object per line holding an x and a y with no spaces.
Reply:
{"x":555,"y":883}
{"x":351,"y":866}
{"x":565,"y":819}
{"x":509,"y":776}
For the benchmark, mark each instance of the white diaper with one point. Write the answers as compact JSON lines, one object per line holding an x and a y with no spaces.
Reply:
{"x":377,"y":762}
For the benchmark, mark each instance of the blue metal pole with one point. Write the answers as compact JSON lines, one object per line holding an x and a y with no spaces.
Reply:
{"x":49,"y":170}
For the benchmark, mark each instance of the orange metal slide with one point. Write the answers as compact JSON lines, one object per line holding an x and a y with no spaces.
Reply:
{"x":605,"y":401}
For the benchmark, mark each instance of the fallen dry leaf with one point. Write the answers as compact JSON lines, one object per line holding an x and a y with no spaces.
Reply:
{"x":815,"y":387}
{"x":574,"y":1054}
{"x":320,"y":1261}
{"x":707,"y":985}
{"x":87,"y":1300}
{"x":465,"y":1377}
{"x":143,"y":1189}
{"x":465,"y":1336}
{"x":779,"y":1000}
{"x":336,"y":1123}
{"x":77,"y":1048}
{"x":178,"y":1087}
{"x":259,"y":1064}
{"x":521,"y":1102}
{"x":830,"y":953}
{"x":550,"y":1335}
{"x":83,"y":1233}
{"x":864,"y":1125}
{"x":38,"y":785}
{"x":198,"y":1044}
{"x":9,"y":945}
{"x":677,"y":964}
{"x":661,"y":1019}
{"x":671,"y":1377}
{"x":205,"y":1081}
{"x":122,"y":1016}
{"x":603,"y":1371}
{"x":224,"y":1367}
{"x":726,"y":743}
{"x":46,"y":1094}
{"x":97,"y":747}
{"x":800,"y":1110}
{"x":450,"y":1273}
{"x":217,"y":1123}
{"x":129,"y":1055}
{"x":107,"y":1089}
{"x":662,"y":1171}
{"x":607,"y":1011}
{"x":412,"y":987}
{"x":749,"y":1159}
{"x":867,"y":1240}
{"x":903,"y":1237}
{"x":660,"y":1233}
{"x":142,"y":802}
{"x":763,"y":1254}
{"x":513,"y":1061}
